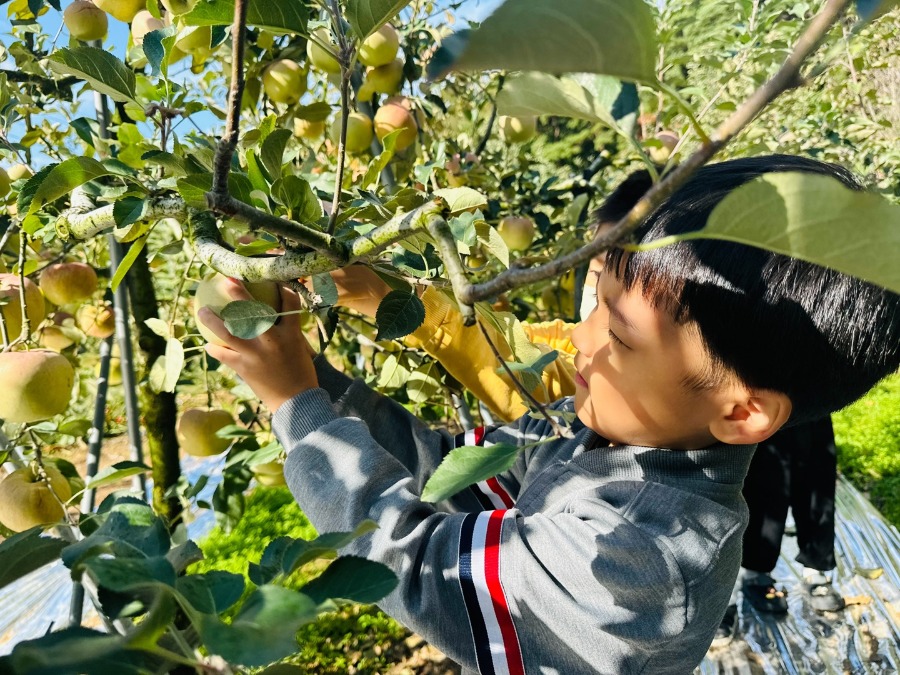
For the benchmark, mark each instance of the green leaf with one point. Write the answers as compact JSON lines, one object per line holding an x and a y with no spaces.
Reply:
{"x":296,"y":194}
{"x":872,"y":9}
{"x":423,"y":383}
{"x":612,"y":37}
{"x":467,"y":465}
{"x":264,"y":630}
{"x":174,"y":363}
{"x":64,"y":178}
{"x":398,"y":315}
{"x":325,"y":288}
{"x":461,"y":199}
{"x":76,"y":650}
{"x":531,"y":372}
{"x":103,"y":71}
{"x":126,"y":574}
{"x":128,"y":210}
{"x":25,"y":552}
{"x":283,"y":16}
{"x":157,"y":47}
{"x":194,"y":187}
{"x":133,"y":252}
{"x":392,"y":374}
{"x":354,"y":579}
{"x":367,"y":16}
{"x":30,"y":188}
{"x":212,"y":592}
{"x":115,"y":473}
{"x":314,"y":112}
{"x":806,"y":216}
{"x":247,"y":319}
{"x":272,"y":151}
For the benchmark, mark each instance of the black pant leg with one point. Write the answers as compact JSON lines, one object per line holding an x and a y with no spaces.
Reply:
{"x":813,"y":477}
{"x":766,"y":493}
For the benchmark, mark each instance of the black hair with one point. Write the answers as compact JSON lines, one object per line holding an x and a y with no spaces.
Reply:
{"x":821,"y":337}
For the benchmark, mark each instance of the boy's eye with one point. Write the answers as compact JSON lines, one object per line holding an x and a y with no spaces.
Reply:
{"x":615,"y":338}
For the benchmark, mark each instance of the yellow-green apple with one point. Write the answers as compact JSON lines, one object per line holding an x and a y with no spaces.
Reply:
{"x":4,"y":183}
{"x":12,"y":307}
{"x":558,"y":302}
{"x":517,"y":232}
{"x":212,"y":292}
{"x":34,"y":385}
{"x":19,"y":171}
{"x":359,"y":132}
{"x":667,"y":141}
{"x":98,"y":322}
{"x":123,"y":10}
{"x":309,"y":129}
{"x":269,"y":473}
{"x":85,"y":20}
{"x":27,"y":500}
{"x":517,"y":129}
{"x":196,"y":431}
{"x":394,"y":115}
{"x":68,"y":283}
{"x":178,"y":6}
{"x":380,"y":47}
{"x":284,"y":81}
{"x":194,"y":39}
{"x":144,"y":22}
{"x":385,"y":79}
{"x":319,"y":57}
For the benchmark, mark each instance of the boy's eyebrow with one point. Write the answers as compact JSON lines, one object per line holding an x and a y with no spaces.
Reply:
{"x":616,"y":313}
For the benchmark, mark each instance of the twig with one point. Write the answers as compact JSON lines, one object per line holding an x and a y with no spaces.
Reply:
{"x":344,"y":60}
{"x":787,"y":77}
{"x":440,"y":231}
{"x":482,"y":144}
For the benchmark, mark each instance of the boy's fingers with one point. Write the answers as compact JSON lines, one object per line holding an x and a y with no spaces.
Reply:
{"x":237,"y":290}
{"x":216,"y":326}
{"x":222,"y":354}
{"x":290,"y":301}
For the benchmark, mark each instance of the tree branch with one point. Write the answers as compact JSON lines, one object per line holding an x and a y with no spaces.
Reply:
{"x":83,"y":220}
{"x":228,"y":144}
{"x":787,"y":77}
{"x":442,"y":234}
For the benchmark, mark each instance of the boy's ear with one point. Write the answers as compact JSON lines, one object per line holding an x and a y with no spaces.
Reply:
{"x":752,"y":418}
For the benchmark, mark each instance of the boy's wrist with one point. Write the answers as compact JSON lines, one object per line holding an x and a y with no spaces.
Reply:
{"x":302,"y":414}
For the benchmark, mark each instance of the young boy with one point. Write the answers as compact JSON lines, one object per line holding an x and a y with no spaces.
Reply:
{"x":615,"y":551}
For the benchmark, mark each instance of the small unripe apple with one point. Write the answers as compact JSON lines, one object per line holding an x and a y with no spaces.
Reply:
{"x":380,"y":47}
{"x":284,"y":81}
{"x":308,"y":129}
{"x":212,"y":292}
{"x":178,"y":6}
{"x":359,"y":132}
{"x":196,"y":431}
{"x":85,"y":20}
{"x":385,"y":79}
{"x":26,"y":500}
{"x":660,"y":153}
{"x":61,"y":334}
{"x":123,"y":10}
{"x":68,"y":283}
{"x":517,"y":232}
{"x":12,"y":308}
{"x":98,"y":322}
{"x":395,"y":115}
{"x":269,"y":474}
{"x":319,"y":57}
{"x":195,"y":39}
{"x":34,"y":385}
{"x":144,"y":22}
{"x":4,"y":183}
{"x":19,"y":171}
{"x":517,"y":129}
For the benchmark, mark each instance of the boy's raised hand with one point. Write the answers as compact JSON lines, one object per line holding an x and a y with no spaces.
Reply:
{"x":277,"y":365}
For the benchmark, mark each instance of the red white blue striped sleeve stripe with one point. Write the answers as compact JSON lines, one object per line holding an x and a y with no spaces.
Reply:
{"x":497,"y":646}
{"x":490,"y":492}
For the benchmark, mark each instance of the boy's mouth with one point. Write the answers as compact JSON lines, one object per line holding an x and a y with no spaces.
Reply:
{"x":580,"y":381}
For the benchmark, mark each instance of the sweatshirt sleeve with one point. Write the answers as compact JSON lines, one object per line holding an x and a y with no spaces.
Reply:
{"x":493,"y":589}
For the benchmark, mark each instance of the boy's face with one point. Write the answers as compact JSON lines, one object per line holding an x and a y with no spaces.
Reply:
{"x":632,"y":364}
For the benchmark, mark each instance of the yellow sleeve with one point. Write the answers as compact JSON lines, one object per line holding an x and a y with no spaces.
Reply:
{"x":467,"y":356}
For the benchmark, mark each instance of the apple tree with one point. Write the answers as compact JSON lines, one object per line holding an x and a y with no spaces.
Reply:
{"x":170,"y":144}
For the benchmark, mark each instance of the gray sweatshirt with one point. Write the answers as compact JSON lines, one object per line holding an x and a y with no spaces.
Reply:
{"x":582,"y":558}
